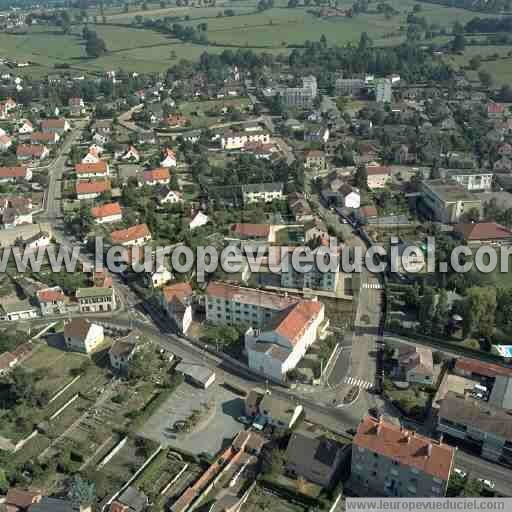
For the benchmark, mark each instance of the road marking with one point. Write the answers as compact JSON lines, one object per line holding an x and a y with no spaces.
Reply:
{"x":354,"y":381}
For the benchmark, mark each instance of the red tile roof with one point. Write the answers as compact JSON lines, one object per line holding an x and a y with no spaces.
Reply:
{"x":159,"y":174}
{"x":49,"y":295}
{"x":483,"y":231}
{"x":106,"y":210}
{"x":30,"y":150}
{"x":13,"y":172}
{"x":97,"y":168}
{"x":43,"y":136}
{"x":53,"y":123}
{"x":296,"y":320}
{"x":368,"y":211}
{"x":251,"y":230}
{"x":407,"y":448}
{"x":495,"y":108}
{"x":131,"y":233}
{"x":481,"y":368}
{"x":91,"y":187}
{"x":177,"y":291}
{"x":21,"y":498}
{"x":249,"y":296}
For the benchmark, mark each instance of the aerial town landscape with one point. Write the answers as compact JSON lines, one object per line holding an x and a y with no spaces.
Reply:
{"x":249,"y":133}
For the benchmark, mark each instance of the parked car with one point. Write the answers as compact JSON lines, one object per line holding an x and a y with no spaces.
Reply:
{"x":460,"y":472}
{"x":487,"y":483}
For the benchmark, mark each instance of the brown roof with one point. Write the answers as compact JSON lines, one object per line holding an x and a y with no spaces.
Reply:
{"x":178,"y":291}
{"x":6,"y":360}
{"x":251,"y":230}
{"x":368,"y":211}
{"x":98,"y":167}
{"x":131,"y":233}
{"x":21,"y":498}
{"x":159,"y":174}
{"x":53,"y":123}
{"x":91,"y":187}
{"x":43,"y":136}
{"x":483,"y":231}
{"x":314,"y":153}
{"x":405,"y":447}
{"x":481,"y":368}
{"x":78,"y":327}
{"x":374,"y":170}
{"x":13,"y":172}
{"x":106,"y":210}
{"x":249,"y":296}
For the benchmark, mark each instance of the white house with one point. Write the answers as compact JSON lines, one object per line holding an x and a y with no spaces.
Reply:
{"x":160,"y":278}
{"x":237,"y":140}
{"x":176,"y":300}
{"x":26,"y":128}
{"x":52,"y":301}
{"x":81,"y":335}
{"x":97,"y":169}
{"x":198,"y":220}
{"x":169,"y":158}
{"x":91,"y":158}
{"x":159,"y":176}
{"x":131,"y":154}
{"x":134,"y":235}
{"x":107,"y":213}
{"x":5,"y":142}
{"x":122,"y":352}
{"x":166,"y":196}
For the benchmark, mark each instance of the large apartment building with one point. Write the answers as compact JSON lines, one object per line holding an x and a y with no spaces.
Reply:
{"x":281,"y":328}
{"x":471,"y":179}
{"x":388,"y":460}
{"x":301,"y":97}
{"x":447,"y":201}
{"x":96,"y":299}
{"x":485,"y":426}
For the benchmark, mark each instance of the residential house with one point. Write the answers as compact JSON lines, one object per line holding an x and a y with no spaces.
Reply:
{"x":407,"y":256}
{"x":317,"y":134}
{"x":197,"y":220}
{"x":299,"y":97}
{"x":262,"y":192}
{"x":349,"y":86}
{"x":107,"y":213}
{"x":176,"y":301}
{"x":495,"y":110}
{"x":5,"y":143}
{"x":122,"y":351}
{"x":159,"y":278}
{"x":447,"y":201}
{"x":91,"y":189}
{"x":26,"y":128}
{"x":169,"y":158}
{"x":81,"y":335}
{"x":504,"y":164}
{"x":339,"y":193}
{"x":485,"y":426}
{"x":505,"y":149}
{"x":471,"y":180}
{"x":13,"y":174}
{"x":416,"y":365}
{"x":50,"y":138}
{"x":130,"y":500}
{"x":167,"y":196}
{"x":484,"y":233}
{"x":52,"y":301}
{"x":231,"y":139}
{"x":98,"y":169}
{"x":267,"y":409}
{"x":15,"y":211}
{"x":7,"y":362}
{"x":101,"y":138}
{"x":378,"y":176}
{"x":131,"y":155}
{"x":32,"y":152}
{"x":159,"y":176}
{"x":91,"y":157}
{"x":76,"y":106}
{"x":96,"y":300}
{"x":475,"y":369}
{"x":55,"y":125}
{"x":47,"y":504}
{"x":300,"y":208}
{"x":367,"y":214}
{"x":249,"y":231}
{"x":18,"y":310}
{"x":134,"y":235}
{"x":383,"y":92}
{"x":103,"y":127}
{"x":388,"y":460}
{"x":18,"y":500}
{"x":315,"y":459}
{"x":314,"y":159}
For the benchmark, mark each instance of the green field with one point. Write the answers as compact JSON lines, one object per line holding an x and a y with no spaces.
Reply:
{"x":144,"y":50}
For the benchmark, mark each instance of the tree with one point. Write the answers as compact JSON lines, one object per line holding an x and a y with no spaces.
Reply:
{"x":486,"y":78}
{"x":459,"y":43}
{"x":95,"y":46}
{"x":427,"y":309}
{"x":361,"y":177}
{"x":475,"y":62}
{"x":480,"y":311}
{"x":81,"y":493}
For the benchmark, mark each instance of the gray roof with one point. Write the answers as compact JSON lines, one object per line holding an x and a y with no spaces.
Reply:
{"x":478,"y":414}
{"x":51,"y":505}
{"x":501,"y":395}
{"x":276,"y":186}
{"x":195,"y":371}
{"x":17,"y":307}
{"x":94,"y":292}
{"x":136,"y":500}
{"x":317,"y":453}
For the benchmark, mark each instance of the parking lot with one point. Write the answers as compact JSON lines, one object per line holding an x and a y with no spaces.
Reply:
{"x":216,"y":425}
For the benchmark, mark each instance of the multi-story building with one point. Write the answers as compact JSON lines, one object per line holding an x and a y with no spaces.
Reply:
{"x":388,"y":460}
{"x":447,"y":201}
{"x":282,"y":328}
{"x":91,"y":189}
{"x":123,"y":350}
{"x":231,"y":139}
{"x":301,"y":97}
{"x":12,"y":174}
{"x":484,"y":426}
{"x":177,"y":302}
{"x":96,"y":299}
{"x":55,"y":125}
{"x":349,"y":86}
{"x":81,"y":335}
{"x":314,"y":159}
{"x":262,"y":192}
{"x":471,"y":180}
{"x":134,"y":235}
{"x":98,"y":169}
{"x":484,"y":233}
{"x":383,"y":93}
{"x":378,"y":176}
{"x":107,"y":213}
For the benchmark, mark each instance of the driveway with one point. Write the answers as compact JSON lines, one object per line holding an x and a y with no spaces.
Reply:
{"x":214,"y":430}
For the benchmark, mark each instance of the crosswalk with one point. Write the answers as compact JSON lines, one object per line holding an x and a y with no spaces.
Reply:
{"x":373,"y":285}
{"x":353,"y":381}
